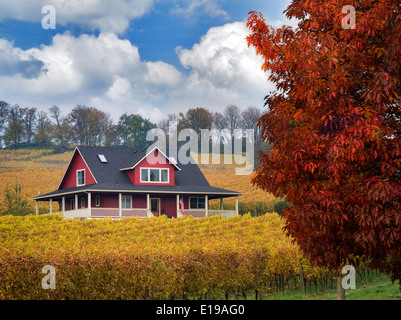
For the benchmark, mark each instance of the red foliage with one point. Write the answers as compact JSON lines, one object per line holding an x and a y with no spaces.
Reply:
{"x":334,"y":122}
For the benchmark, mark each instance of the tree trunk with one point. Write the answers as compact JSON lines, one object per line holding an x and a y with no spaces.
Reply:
{"x":340,"y":290}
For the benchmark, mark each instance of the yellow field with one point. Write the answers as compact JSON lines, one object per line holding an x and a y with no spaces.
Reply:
{"x":40,"y":171}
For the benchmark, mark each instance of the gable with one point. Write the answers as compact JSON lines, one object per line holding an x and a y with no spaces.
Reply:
{"x":153,"y":160}
{"x":77,"y":163}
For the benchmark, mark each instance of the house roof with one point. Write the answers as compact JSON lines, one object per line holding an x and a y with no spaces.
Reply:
{"x":109,"y":176}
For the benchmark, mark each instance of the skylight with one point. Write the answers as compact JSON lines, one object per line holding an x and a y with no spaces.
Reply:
{"x":102,"y":158}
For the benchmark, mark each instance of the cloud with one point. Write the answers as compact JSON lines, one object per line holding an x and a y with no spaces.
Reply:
{"x":108,"y":72}
{"x":88,"y":69}
{"x":103,"y":15}
{"x":14,"y":61}
{"x":223,"y":68}
{"x":194,"y":8}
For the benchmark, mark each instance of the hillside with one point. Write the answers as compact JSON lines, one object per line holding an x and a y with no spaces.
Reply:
{"x":40,"y":171}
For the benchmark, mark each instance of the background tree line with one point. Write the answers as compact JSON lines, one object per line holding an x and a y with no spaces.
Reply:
{"x":22,"y":127}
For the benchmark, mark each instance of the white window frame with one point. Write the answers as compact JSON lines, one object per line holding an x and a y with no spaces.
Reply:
{"x":197,"y":203}
{"x":97,"y":200}
{"x":82,"y":203}
{"x":78,"y":171}
{"x":160,"y":175}
{"x":124,"y":196}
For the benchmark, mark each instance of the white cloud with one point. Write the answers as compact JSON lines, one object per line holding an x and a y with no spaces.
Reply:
{"x":193,"y":8}
{"x":223,"y":68}
{"x":103,"y":15}
{"x":107,"y":72}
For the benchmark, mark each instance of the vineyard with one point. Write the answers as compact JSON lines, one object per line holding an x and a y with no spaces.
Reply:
{"x":41,"y":171}
{"x":157,"y":258}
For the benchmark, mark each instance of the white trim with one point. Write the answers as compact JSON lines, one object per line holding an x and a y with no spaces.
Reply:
{"x":97,"y":197}
{"x":139,"y":191}
{"x":169,"y":160}
{"x":69,"y":163}
{"x":82,"y":199}
{"x":150,"y":200}
{"x":189,"y":203}
{"x":82,"y":184}
{"x":160,"y":175}
{"x":126,"y":195}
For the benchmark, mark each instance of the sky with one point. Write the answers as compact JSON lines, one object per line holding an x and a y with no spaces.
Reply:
{"x":147,"y":57}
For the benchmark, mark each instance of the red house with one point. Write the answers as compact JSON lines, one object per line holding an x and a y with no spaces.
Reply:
{"x":126,"y":182}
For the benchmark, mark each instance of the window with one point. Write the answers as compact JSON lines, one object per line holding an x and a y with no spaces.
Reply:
{"x":82,"y":203}
{"x":154,"y":175}
{"x":81,"y":177}
{"x":97,"y":201}
{"x":144,"y":174}
{"x":126,"y":202}
{"x":102,"y":158}
{"x":196,"y":203}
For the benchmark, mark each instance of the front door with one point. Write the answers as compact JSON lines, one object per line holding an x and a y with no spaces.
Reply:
{"x":155,"y":206}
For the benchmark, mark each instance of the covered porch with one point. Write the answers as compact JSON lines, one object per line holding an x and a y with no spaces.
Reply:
{"x":99,"y":204}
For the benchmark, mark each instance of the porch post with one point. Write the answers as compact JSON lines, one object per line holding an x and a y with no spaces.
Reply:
{"x":236,"y":205}
{"x":76,"y":202}
{"x":120,"y":210}
{"x":149,"y":214}
{"x":63,"y":204}
{"x":178,"y":205}
{"x":37,"y":207}
{"x":90,"y":203}
{"x":206,"y":206}
{"x":51,"y":205}
{"x":221,"y":203}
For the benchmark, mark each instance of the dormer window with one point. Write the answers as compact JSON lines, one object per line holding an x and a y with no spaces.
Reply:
{"x":155,"y":175}
{"x":80,"y":177}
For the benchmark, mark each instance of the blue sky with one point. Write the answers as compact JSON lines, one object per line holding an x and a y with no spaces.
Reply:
{"x":151,"y":57}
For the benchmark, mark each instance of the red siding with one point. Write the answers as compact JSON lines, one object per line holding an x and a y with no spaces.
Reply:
{"x":70,"y":177}
{"x":169,"y":205}
{"x":149,"y":162}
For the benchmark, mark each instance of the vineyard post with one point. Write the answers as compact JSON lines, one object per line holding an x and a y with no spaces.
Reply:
{"x":340,"y":289}
{"x":37,"y":207}
{"x":301,"y":277}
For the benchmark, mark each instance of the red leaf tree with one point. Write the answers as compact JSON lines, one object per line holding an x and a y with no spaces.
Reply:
{"x":334,"y":123}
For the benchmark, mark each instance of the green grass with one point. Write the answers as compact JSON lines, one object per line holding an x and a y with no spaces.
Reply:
{"x":376,"y":288}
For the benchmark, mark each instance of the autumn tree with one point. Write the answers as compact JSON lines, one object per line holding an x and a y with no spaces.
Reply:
{"x":133,"y":129}
{"x":334,"y":124}
{"x":196,"y":119}
{"x":89,"y":125}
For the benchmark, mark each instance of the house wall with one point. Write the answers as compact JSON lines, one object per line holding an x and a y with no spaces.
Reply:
{"x":70,"y":177}
{"x":169,"y":204}
{"x":150,"y":162}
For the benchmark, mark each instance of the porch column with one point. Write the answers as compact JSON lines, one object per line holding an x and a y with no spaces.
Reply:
{"x":76,"y":202}
{"x":37,"y":207}
{"x":148,"y":213}
{"x":63,"y":204}
{"x":51,"y":205}
{"x":206,"y":206}
{"x":221,"y":203}
{"x":90,"y":203}
{"x":236,"y":205}
{"x":178,"y":205}
{"x":120,"y":210}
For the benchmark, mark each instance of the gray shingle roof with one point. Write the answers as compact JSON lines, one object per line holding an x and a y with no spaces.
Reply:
{"x":189,"y":179}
